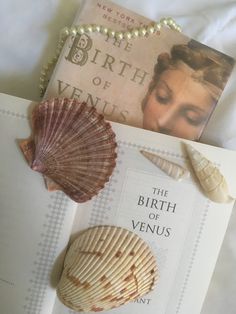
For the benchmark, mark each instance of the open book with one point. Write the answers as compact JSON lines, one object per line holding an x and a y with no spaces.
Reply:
{"x":136,"y":82}
{"x":184,"y":229}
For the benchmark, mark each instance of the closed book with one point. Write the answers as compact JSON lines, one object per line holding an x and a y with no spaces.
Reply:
{"x":164,"y":82}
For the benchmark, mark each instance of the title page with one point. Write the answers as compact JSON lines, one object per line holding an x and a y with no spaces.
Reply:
{"x":143,"y":199}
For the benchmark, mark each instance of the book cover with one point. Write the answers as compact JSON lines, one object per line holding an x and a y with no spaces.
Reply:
{"x":165,"y":82}
{"x":183,"y":227}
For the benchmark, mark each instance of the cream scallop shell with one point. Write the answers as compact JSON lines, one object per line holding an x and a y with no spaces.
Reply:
{"x":73,"y":146}
{"x":210,"y":178}
{"x":106,"y":267}
{"x":172,"y":169}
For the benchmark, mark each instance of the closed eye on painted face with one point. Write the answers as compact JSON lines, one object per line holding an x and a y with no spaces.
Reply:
{"x":193,"y":114}
{"x":178,"y":105}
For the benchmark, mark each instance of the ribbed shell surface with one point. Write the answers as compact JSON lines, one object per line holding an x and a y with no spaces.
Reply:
{"x":74,"y":146}
{"x":106,"y":267}
{"x":209,"y":176}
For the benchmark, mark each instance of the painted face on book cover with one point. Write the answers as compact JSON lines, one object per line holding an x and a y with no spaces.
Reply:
{"x":178,"y":105}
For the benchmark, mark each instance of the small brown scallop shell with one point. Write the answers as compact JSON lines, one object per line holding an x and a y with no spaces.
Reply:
{"x":74,"y":147}
{"x":106,"y":267}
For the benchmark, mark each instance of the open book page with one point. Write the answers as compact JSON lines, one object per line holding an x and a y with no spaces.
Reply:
{"x":34,"y":224}
{"x":130,"y":81}
{"x":183,"y":227}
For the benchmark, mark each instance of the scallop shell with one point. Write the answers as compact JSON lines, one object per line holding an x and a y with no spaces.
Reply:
{"x":106,"y":267}
{"x":27,"y":146}
{"x":170,"y":168}
{"x":74,"y":147}
{"x":210,"y":178}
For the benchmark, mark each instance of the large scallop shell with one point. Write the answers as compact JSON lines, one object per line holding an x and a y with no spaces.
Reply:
{"x":172,"y":169}
{"x":210,"y":178}
{"x":106,"y":267}
{"x":74,"y":147}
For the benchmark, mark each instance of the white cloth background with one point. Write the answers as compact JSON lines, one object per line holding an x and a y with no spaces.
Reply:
{"x":29,"y":32}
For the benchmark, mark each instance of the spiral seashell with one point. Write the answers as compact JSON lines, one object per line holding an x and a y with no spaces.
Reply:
{"x":74,"y":147}
{"x":170,"y":168}
{"x":210,"y":178}
{"x":105,"y":267}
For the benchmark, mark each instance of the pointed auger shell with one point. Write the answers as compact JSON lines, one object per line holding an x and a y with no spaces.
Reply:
{"x":209,"y":176}
{"x":172,"y":169}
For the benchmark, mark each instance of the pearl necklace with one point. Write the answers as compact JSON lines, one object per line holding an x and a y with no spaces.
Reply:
{"x":143,"y":31}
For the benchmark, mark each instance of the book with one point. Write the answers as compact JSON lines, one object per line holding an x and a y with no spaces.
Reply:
{"x":165,"y":82}
{"x":183,"y":227}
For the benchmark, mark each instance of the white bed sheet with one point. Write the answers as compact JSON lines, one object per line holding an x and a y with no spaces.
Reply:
{"x":29,"y":32}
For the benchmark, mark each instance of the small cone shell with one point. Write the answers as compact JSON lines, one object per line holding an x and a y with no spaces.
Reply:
{"x":170,"y":168}
{"x":210,"y":178}
{"x":106,"y":267}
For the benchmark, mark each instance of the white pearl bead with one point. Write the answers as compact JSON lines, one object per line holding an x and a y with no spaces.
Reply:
{"x":88,"y":28}
{"x":119,"y":35}
{"x":150,"y":30}
{"x":173,"y":25}
{"x":142,"y":31}
{"x":96,"y":28}
{"x":65,"y":32}
{"x":61,"y":43}
{"x":135,"y":33}
{"x":164,"y":21}
{"x":80,"y":30}
{"x":127,"y":35}
{"x":111,"y":33}
{"x":178,"y":28}
{"x":104,"y":30}
{"x":157,"y":26}
{"x":73,"y":31}
{"x":170,"y":21}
